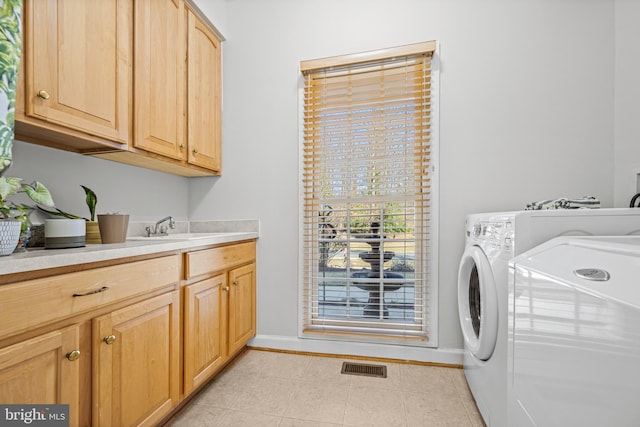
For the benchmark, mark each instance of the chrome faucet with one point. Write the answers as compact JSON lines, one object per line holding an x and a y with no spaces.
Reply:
{"x":158,"y":229}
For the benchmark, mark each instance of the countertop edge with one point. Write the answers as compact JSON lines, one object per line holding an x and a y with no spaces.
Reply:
{"x":42,"y":259}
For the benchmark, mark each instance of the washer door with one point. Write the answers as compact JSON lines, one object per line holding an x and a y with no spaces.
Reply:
{"x":477,"y":303}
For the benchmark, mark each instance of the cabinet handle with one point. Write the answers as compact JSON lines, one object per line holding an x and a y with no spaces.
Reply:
{"x":43,"y":94}
{"x":226,"y":288}
{"x":110,"y":339}
{"x":195,"y":151}
{"x":235,"y":283}
{"x":95,"y":291}
{"x":73,"y":355}
{"x":181,"y":146}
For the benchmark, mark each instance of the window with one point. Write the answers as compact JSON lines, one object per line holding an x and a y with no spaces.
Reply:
{"x":368,"y":238}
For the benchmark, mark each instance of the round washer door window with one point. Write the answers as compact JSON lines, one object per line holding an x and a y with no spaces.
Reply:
{"x":477,"y":303}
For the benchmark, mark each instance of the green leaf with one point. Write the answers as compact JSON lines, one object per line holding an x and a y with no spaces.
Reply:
{"x":91,"y":200}
{"x":58,"y":212}
{"x":38,"y":193}
{"x":8,"y":187}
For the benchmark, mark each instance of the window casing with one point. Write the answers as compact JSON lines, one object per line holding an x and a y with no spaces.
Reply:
{"x":368,"y":196}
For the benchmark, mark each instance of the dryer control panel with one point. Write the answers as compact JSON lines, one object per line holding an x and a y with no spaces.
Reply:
{"x":499,"y":233}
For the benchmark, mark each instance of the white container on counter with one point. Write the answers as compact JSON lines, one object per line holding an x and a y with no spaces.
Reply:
{"x":64,"y":233}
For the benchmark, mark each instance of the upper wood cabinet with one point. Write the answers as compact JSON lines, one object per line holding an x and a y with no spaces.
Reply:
{"x":136,"y":82}
{"x":177,"y":84}
{"x":204,"y":93}
{"x":177,"y":96}
{"x":160,"y":77}
{"x":76,"y":67}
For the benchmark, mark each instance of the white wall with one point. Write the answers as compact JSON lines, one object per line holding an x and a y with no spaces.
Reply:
{"x":627,"y":94}
{"x":527,"y":97}
{"x":216,"y":11}
{"x":144,"y":194}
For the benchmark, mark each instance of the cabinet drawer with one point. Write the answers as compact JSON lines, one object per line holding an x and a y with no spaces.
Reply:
{"x":35,"y":302}
{"x":211,"y":260}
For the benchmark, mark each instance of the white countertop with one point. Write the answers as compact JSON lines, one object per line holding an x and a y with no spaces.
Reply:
{"x":39,"y":259}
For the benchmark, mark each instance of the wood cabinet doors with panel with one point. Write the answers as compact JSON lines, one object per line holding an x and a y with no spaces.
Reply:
{"x":242,"y":306}
{"x":77,"y":72}
{"x":204,"y":115}
{"x":43,"y":370}
{"x":205,"y":326}
{"x":136,"y":362}
{"x":219,"y":309}
{"x":137,"y":82}
{"x":160,"y":77}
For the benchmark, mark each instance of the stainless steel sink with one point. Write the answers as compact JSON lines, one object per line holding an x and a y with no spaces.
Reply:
{"x":180,"y":236}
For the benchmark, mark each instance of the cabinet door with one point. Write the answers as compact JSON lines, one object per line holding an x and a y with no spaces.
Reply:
{"x":41,"y":370}
{"x":205,"y":326}
{"x":160,"y":77}
{"x":136,"y":362}
{"x":242,"y":306}
{"x":77,"y":65}
{"x":204,"y":95}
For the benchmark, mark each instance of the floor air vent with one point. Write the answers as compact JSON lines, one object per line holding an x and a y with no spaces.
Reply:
{"x":351,"y":368}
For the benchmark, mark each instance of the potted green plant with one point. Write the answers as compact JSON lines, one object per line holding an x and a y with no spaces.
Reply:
{"x":15,"y":216}
{"x":92,"y":227}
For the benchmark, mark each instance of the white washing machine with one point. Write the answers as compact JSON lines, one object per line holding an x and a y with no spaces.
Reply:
{"x":492,"y":239}
{"x":574,"y":334}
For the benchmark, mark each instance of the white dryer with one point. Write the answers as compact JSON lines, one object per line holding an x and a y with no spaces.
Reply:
{"x":574,"y":334}
{"x":492,"y":239}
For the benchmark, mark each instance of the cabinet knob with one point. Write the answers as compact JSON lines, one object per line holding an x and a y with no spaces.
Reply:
{"x":110,"y":339}
{"x":195,"y":151}
{"x":73,"y":355}
{"x":181,"y":146}
{"x":43,"y":94}
{"x":235,"y":283}
{"x":226,"y":288}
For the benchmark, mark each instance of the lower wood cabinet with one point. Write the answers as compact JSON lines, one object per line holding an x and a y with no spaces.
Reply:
{"x":43,"y":370}
{"x":123,"y":344}
{"x":136,"y":370}
{"x":205,"y":325}
{"x":242,"y":306}
{"x":219,"y":310}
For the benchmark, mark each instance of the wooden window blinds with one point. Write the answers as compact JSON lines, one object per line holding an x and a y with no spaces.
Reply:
{"x":367,"y":192}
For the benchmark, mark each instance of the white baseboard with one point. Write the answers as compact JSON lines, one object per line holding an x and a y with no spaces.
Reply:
{"x":450,"y":356}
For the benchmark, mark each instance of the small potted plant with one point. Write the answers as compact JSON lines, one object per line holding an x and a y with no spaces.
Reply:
{"x":92,"y":228}
{"x":14,"y":224}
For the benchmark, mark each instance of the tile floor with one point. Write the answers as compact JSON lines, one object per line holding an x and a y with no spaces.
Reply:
{"x":264,"y":388}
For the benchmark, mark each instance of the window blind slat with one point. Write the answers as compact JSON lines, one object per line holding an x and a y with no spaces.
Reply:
{"x":365,"y":83}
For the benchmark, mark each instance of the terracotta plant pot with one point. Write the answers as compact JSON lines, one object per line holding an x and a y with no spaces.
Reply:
{"x":113,"y":227}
